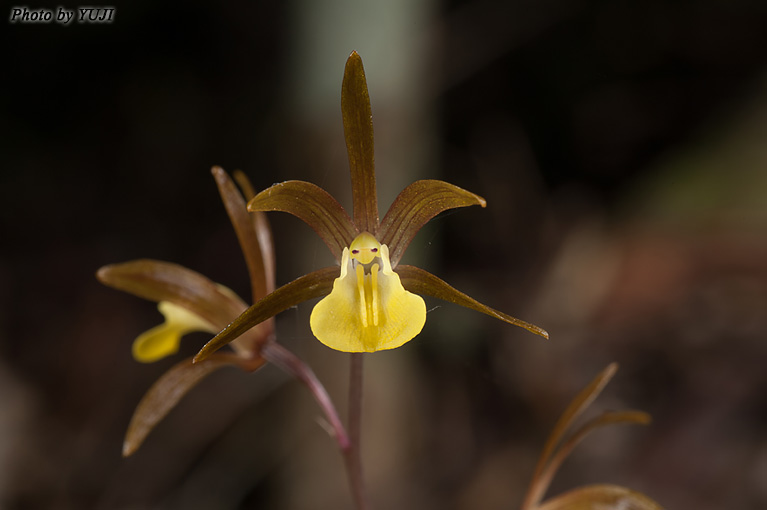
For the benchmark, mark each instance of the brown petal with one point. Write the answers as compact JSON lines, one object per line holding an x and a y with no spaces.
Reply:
{"x":358,"y":130}
{"x":243,"y":227}
{"x":608,"y":497}
{"x":168,"y":391}
{"x":415,"y":206}
{"x":422,"y":282}
{"x":314,"y":206}
{"x":316,"y":284}
{"x":263,"y":232}
{"x":163,"y":281}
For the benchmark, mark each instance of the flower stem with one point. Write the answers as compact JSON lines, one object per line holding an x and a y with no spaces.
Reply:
{"x":293,"y":365}
{"x":349,"y":445}
{"x":354,"y":458}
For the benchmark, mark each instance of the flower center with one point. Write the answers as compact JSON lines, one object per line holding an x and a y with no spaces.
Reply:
{"x":366,"y":260}
{"x":368,"y":310}
{"x":365,"y":248}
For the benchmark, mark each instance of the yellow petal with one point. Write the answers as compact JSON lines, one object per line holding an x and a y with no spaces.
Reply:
{"x":164,"y":340}
{"x":367,"y":312}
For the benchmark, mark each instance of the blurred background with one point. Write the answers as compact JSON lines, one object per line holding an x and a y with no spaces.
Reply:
{"x":620,"y":146}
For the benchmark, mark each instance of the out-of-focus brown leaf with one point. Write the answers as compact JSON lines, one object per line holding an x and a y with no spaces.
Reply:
{"x":587,"y":395}
{"x":168,"y":390}
{"x":163,"y":281}
{"x":600,"y":497}
{"x":246,"y":234}
{"x":608,"y":418}
{"x":313,"y":285}
{"x":422,"y":282}
{"x":314,"y":206}
{"x":358,"y":130}
{"x":415,"y":206}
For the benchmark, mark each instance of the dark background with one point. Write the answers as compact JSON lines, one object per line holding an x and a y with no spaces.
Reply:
{"x":621,"y":148}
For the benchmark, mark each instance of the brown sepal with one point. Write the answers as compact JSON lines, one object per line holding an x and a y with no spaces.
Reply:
{"x":315,"y":206}
{"x":419,"y":281}
{"x":168,"y":390}
{"x":358,"y":131}
{"x":313,"y":285}
{"x":246,"y":233}
{"x":414,"y":207}
{"x":163,"y":281}
{"x":263,"y":232}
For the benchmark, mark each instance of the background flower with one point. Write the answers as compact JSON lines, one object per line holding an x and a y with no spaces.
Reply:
{"x":190,"y":302}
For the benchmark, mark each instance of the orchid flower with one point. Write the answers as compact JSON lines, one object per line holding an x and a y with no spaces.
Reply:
{"x":191,"y":302}
{"x":370,"y":302}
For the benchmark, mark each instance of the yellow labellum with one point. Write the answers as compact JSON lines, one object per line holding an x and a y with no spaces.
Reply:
{"x":164,"y":340}
{"x":368,"y":309}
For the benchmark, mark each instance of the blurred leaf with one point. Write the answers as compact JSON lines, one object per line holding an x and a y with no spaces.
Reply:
{"x":314,"y":206}
{"x":313,"y":285}
{"x":538,"y":485}
{"x":168,"y":390}
{"x":543,"y":482}
{"x":600,"y":497}
{"x":358,"y":130}
{"x":415,"y":206}
{"x":421,"y":282}
{"x":163,"y":281}
{"x":607,"y":418}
